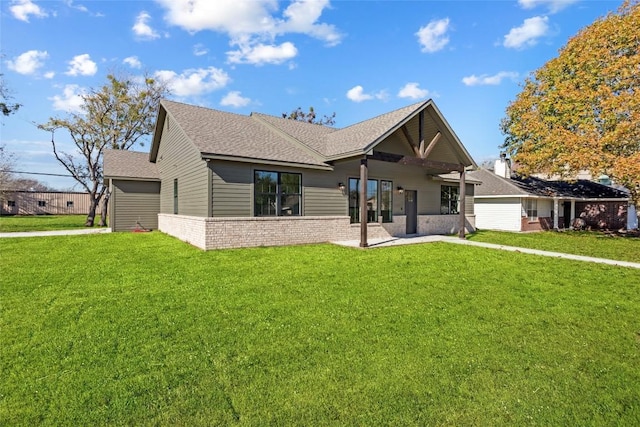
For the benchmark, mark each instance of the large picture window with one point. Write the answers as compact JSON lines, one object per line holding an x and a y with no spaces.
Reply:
{"x":277,"y":193}
{"x":379,"y":200}
{"x":449,"y":200}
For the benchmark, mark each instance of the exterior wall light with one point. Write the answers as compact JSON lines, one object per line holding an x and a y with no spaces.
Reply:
{"x":400,"y":190}
{"x":342,"y":187}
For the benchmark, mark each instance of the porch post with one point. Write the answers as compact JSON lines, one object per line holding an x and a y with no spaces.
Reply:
{"x":463,"y":196}
{"x":573,"y":212}
{"x":364,"y":214}
{"x":555,"y":213}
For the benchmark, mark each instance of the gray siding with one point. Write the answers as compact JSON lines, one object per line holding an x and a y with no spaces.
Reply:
{"x":132,"y":202}
{"x":232,"y":190}
{"x":232,"y":186}
{"x":179,"y":158}
{"x":322,"y":197}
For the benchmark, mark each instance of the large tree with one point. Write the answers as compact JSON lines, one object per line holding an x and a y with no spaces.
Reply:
{"x":116,"y":116}
{"x":310,"y":117}
{"x":7,"y":160}
{"x":6,"y":106}
{"x":581,"y":110}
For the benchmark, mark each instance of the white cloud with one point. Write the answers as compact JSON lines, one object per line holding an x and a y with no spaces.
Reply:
{"x":80,"y":7}
{"x":553,"y":5}
{"x":142,"y":29}
{"x":254,"y":25}
{"x":234,"y":99}
{"x":28,"y":62}
{"x":132,"y":61}
{"x":485,"y":79}
{"x":433,"y":37}
{"x":200,"y":49}
{"x":82,"y":65}
{"x":301,"y":17}
{"x":263,"y":54}
{"x":412,"y":90}
{"x":49,"y":74}
{"x":21,"y":9}
{"x":70,"y":100}
{"x":357,"y":94}
{"x":528,"y":33}
{"x":194,"y":81}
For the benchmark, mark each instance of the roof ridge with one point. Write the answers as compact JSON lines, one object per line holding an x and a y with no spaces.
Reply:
{"x":288,"y":136}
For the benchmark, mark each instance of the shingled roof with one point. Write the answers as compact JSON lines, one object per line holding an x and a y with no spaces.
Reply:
{"x":127,"y":164}
{"x":494,"y":185}
{"x":228,"y":135}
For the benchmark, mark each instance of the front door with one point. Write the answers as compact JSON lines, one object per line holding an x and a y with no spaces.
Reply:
{"x":411,"y":210}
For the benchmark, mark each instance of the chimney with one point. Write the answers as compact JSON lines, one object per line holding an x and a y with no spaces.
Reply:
{"x":502,"y":167}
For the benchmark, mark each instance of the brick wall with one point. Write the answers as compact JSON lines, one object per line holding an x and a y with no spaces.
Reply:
{"x":239,"y":232}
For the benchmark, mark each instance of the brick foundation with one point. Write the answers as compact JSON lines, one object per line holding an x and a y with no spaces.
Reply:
{"x":240,"y":232}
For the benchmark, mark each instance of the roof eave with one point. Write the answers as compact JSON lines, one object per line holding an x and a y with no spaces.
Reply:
{"x":210,"y":156}
{"x":157,"y":133}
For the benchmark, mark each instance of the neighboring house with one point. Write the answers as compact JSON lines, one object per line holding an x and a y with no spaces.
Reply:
{"x":220,"y":180}
{"x":513,"y":203}
{"x":22,"y":202}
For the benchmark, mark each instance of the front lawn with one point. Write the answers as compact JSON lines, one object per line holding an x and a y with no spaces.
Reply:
{"x":141,"y":329}
{"x":42,"y":222}
{"x":587,"y":243}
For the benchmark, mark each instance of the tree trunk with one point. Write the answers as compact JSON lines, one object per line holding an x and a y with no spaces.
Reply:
{"x":92,"y":211}
{"x":104,"y":210}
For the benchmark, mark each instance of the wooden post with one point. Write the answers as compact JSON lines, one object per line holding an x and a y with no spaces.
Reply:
{"x":463,"y":196}
{"x":363,"y":203}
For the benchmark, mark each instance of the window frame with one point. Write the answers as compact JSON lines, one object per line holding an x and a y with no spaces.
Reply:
{"x":449,"y":194}
{"x":176,"y":204}
{"x":531,"y":209}
{"x":42,"y":203}
{"x":284,"y":200}
{"x":373,"y":215}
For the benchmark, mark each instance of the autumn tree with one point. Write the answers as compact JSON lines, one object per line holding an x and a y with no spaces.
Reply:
{"x":581,"y":110}
{"x":310,"y":117}
{"x":116,"y":116}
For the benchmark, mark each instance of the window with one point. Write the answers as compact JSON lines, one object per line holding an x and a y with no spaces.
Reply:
{"x":175,"y":196}
{"x":449,"y":200}
{"x":277,"y":193}
{"x":42,"y":203}
{"x":532,"y":209}
{"x":379,"y":200}
{"x":69,"y":203}
{"x":11,"y":203}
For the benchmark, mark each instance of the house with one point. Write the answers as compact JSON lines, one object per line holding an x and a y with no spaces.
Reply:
{"x":509,"y":202}
{"x":23,"y":202}
{"x":221,"y":180}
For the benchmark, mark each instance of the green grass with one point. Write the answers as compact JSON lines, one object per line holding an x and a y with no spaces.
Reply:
{"x":42,"y":222}
{"x":141,"y":329}
{"x":593,"y":244}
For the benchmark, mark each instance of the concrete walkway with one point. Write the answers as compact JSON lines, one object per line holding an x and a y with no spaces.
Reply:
{"x":394,"y":241}
{"x":56,"y":233}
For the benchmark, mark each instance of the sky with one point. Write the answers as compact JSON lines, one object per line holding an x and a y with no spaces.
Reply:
{"x":356,"y":58}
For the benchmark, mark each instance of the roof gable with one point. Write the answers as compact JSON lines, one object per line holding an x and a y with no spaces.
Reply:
{"x":264,"y":138}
